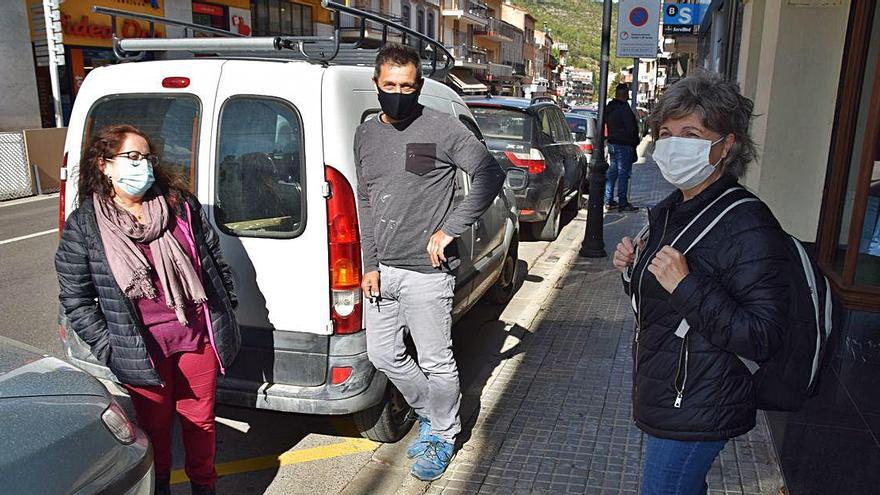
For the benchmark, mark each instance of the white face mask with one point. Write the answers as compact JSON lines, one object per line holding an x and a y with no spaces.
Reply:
{"x":684,"y":162}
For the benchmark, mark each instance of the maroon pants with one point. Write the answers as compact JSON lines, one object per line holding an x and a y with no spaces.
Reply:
{"x":190,"y":383}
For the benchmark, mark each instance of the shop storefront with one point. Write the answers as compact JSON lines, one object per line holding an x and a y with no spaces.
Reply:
{"x":228,"y":15}
{"x":87,"y":44}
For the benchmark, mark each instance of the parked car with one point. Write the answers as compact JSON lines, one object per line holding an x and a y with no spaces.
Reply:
{"x":273,"y":164}
{"x":589,"y":111}
{"x":583,"y":128}
{"x":534,"y":136}
{"x":63,"y":432}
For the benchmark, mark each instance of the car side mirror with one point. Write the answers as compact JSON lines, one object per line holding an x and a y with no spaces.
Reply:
{"x":516,"y":179}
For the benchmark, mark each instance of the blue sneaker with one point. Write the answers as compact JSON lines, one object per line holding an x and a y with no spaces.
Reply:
{"x":433,"y":463}
{"x":421,"y":443}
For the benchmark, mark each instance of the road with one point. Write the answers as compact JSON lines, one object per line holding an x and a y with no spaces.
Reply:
{"x":257,"y":451}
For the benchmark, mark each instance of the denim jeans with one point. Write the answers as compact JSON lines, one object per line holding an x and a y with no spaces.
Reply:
{"x":675,"y":467}
{"x":621,"y":158}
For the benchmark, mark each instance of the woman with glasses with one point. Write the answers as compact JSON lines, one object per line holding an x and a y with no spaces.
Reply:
{"x":701,"y":303}
{"x":144,"y":284}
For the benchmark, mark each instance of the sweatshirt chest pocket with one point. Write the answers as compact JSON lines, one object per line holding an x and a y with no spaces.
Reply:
{"x":421,"y":158}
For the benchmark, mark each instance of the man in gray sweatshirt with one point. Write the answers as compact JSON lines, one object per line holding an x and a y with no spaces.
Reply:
{"x":406,"y":162}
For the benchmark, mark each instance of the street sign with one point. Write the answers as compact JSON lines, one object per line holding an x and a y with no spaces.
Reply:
{"x":638,"y":26}
{"x":682,"y":18}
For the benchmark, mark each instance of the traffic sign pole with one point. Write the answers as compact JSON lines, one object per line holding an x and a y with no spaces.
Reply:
{"x":635,"y":87}
{"x":56,"y":53}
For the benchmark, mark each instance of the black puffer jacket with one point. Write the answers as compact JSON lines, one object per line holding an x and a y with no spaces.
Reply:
{"x":622,"y":124}
{"x":735,"y":300}
{"x":106,"y":320}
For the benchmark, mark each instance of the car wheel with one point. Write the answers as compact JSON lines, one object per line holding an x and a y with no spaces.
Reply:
{"x":387,"y":421}
{"x":504,"y":288}
{"x":548,"y":230}
{"x":578,"y":202}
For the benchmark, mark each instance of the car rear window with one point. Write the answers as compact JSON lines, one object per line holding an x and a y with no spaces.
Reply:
{"x":171,"y":122}
{"x":260,"y":179}
{"x":500,"y":123}
{"x":581,"y":127}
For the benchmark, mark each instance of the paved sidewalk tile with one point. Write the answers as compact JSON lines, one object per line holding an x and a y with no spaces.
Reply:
{"x":556,"y":418}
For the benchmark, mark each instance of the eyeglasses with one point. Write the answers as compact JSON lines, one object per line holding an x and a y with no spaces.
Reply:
{"x":138,"y":156}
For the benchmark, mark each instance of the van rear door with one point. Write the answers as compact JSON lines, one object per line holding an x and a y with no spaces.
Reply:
{"x":266,"y":193}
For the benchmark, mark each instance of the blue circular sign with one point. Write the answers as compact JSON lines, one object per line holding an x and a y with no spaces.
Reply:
{"x":638,"y":16}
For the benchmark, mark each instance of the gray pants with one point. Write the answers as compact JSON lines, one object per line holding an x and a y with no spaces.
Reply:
{"x":420,"y":304}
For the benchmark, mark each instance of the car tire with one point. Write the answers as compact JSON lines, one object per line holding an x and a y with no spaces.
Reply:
{"x":387,"y":421}
{"x":548,"y":230}
{"x":504,"y":288}
{"x":578,"y":202}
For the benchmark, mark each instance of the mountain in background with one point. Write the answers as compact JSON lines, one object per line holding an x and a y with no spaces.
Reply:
{"x":578,"y":23}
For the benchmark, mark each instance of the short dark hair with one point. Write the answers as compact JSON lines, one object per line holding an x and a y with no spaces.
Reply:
{"x":720,"y":107}
{"x":621,"y":88}
{"x":398,"y":55}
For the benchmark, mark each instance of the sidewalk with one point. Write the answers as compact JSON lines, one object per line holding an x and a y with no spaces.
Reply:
{"x":555,"y":415}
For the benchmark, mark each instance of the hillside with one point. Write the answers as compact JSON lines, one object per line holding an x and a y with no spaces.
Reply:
{"x":578,"y":23}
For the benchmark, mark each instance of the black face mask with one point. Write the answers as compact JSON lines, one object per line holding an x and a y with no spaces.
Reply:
{"x":399,"y":106}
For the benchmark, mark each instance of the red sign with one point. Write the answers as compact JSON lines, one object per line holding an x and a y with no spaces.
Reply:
{"x":87,"y":29}
{"x":203,"y":8}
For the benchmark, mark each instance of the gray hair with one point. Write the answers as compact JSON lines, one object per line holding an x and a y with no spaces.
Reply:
{"x":721,"y":109}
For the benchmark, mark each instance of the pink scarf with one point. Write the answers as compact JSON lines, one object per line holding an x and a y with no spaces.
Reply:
{"x":119,"y":233}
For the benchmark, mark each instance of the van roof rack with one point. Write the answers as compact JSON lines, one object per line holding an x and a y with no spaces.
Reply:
{"x":325,"y":50}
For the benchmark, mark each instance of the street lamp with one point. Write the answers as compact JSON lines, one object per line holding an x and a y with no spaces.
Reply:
{"x":593,"y":245}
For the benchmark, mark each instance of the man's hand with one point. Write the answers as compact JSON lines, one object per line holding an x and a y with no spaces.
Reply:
{"x":670,"y":267}
{"x":624,"y":255}
{"x":370,"y":285}
{"x":436,"y":247}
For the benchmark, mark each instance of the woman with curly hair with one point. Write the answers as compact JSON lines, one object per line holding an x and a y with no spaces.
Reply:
{"x":143,"y":283}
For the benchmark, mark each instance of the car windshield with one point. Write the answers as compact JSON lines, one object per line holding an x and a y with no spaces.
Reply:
{"x":500,"y":123}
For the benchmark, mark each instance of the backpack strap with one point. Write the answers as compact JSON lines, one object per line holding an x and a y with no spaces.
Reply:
{"x":703,"y":223}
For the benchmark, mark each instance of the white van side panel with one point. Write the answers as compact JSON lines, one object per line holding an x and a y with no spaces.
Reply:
{"x":281,"y":283}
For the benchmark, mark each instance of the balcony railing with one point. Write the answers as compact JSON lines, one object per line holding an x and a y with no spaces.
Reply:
{"x":500,"y":70}
{"x":497,"y":30}
{"x":469,"y":55}
{"x":472,"y":8}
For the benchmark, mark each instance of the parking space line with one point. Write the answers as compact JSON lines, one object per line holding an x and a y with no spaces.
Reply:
{"x":29,"y":236}
{"x":348,"y":447}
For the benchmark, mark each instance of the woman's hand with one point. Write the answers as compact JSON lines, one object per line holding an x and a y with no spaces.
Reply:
{"x":670,"y":267}
{"x":625,"y":254}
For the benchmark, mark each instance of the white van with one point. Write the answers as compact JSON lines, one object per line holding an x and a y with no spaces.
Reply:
{"x":267,"y":146}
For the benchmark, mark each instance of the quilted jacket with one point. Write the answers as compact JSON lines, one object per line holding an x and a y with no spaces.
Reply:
{"x":735,"y":300}
{"x":108,"y":321}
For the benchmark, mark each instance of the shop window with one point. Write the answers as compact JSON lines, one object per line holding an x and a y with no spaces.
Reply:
{"x":259,"y":189}
{"x":849,"y":235}
{"x":280,"y":17}
{"x":215,"y":16}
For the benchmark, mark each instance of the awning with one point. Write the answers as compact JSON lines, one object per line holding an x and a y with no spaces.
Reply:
{"x":465,"y":81}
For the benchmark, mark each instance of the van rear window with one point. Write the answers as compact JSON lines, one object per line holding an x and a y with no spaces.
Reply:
{"x":171,"y":122}
{"x":259,"y":179}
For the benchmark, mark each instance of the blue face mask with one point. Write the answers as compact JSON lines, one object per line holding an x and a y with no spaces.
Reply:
{"x":135,"y":177}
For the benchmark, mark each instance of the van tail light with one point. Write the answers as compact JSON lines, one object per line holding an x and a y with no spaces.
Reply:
{"x":533,"y":160}
{"x":345,"y":254}
{"x":587,"y":148}
{"x":175,"y":82}
{"x":62,"y":193}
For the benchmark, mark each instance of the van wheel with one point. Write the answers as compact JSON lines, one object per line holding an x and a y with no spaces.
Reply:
{"x":548,"y":230}
{"x":387,"y":421}
{"x":505,"y":286}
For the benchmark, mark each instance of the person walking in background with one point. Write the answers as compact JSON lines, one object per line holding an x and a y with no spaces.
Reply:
{"x":622,"y":139}
{"x":697,"y":314}
{"x":406,"y":160}
{"x":143,"y":283}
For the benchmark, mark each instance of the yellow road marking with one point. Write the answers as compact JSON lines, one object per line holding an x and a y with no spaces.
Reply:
{"x":348,"y":447}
